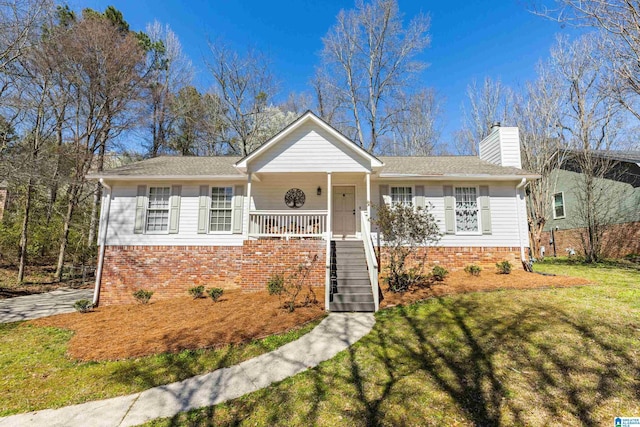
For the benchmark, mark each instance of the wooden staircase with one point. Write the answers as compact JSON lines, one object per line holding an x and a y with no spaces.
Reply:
{"x":350,"y":285}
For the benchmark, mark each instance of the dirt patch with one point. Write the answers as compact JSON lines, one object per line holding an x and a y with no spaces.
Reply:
{"x":460,"y":282}
{"x":38,"y":279}
{"x":120,"y":332}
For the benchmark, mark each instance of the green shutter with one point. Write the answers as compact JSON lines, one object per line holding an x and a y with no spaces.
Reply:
{"x":485,"y":209}
{"x":384,"y":191}
{"x":141,"y":205}
{"x":203,"y":207}
{"x":420,"y":201}
{"x":174,"y":212}
{"x":238,"y":208}
{"x":449,"y":210}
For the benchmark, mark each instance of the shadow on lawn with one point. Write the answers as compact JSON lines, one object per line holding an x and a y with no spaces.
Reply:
{"x":492,"y":365}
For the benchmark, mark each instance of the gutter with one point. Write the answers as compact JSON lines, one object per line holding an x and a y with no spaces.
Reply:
{"x":103,"y":239}
{"x":167,"y":177}
{"x":455,"y":177}
{"x":518,"y":187}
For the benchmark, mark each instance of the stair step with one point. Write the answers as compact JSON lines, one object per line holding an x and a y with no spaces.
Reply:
{"x":347,"y":243}
{"x":352,"y":306}
{"x":350,"y":283}
{"x":353,"y":297}
{"x":349,"y":290}
{"x":351,"y":274}
{"x":351,"y":263}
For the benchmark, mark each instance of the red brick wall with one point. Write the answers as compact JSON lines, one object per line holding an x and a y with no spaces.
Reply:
{"x":618,"y":240}
{"x":456,"y":258}
{"x":170,"y":271}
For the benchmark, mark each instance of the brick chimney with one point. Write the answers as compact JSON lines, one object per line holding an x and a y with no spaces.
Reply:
{"x":502,"y":146}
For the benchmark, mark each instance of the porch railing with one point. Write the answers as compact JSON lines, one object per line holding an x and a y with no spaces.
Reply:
{"x":370,"y":255}
{"x":287,"y":223}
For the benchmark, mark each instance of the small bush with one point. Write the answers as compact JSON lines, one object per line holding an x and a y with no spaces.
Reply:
{"x":215,"y":293}
{"x":473,"y":269}
{"x":197,"y":292}
{"x":275,"y":285}
{"x":438,"y":273}
{"x":83,"y":305}
{"x":504,"y":267}
{"x":143,"y":296}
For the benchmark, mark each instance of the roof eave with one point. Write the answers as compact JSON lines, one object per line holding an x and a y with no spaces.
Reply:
{"x":457,"y":177}
{"x":166,"y":177}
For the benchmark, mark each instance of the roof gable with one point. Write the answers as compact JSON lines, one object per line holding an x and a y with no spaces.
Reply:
{"x":309,"y":138}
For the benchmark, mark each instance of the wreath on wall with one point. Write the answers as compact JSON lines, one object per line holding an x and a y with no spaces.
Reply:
{"x":294,"y":198}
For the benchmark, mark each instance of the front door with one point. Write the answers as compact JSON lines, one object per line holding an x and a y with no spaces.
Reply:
{"x":344,"y":211}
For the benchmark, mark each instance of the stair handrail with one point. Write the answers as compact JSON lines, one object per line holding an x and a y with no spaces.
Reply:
{"x":370,"y":255}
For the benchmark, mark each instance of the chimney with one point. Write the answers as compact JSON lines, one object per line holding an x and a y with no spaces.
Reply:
{"x":502,"y":146}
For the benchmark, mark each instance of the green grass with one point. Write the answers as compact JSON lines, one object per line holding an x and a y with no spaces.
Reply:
{"x":37,"y":374}
{"x":567,"y":356}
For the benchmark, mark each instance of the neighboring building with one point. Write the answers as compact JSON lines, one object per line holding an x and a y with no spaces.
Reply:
{"x":3,"y":198}
{"x":617,"y":200}
{"x":305,"y":196}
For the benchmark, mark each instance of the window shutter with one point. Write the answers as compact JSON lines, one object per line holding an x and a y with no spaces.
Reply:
{"x":420,"y":201}
{"x":202,"y":209}
{"x":174,"y":211}
{"x":449,"y":210}
{"x":384,"y":191}
{"x":485,"y":209}
{"x":141,"y":205}
{"x":238,"y":209}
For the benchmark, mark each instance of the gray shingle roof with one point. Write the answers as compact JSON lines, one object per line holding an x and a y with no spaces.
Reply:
{"x":224,"y":166}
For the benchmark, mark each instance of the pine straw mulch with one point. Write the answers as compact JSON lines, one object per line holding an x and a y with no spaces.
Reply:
{"x":458,"y":282}
{"x":126,"y":331}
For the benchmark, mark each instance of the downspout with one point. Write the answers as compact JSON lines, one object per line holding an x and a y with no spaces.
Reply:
{"x":103,"y":238}
{"x":518,"y":187}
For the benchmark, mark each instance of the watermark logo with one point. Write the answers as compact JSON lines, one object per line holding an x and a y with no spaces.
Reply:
{"x":626,"y":422}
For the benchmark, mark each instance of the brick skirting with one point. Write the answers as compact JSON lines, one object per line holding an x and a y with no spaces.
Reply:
{"x":456,"y":258}
{"x":170,"y":271}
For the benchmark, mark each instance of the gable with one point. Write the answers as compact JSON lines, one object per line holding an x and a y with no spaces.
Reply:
{"x":309,"y":148}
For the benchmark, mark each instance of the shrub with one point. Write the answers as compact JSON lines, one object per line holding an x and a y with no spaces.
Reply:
{"x":405,"y":229}
{"x":473,"y":269}
{"x":438,"y":273}
{"x":143,"y":296}
{"x":291,"y":286}
{"x":83,"y":305}
{"x":197,"y":292}
{"x":275,"y":285}
{"x":215,"y":293}
{"x":504,"y":267}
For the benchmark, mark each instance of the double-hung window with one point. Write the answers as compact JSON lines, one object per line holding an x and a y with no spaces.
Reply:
{"x":157,"y":220}
{"x":221,"y":209}
{"x":558,"y":206}
{"x":401,"y":195}
{"x":467,"y":215}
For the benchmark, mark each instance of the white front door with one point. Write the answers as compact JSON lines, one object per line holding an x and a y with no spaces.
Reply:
{"x":344,"y":211}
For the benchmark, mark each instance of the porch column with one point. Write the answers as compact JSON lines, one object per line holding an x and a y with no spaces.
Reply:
{"x":246,"y":218}
{"x":327,"y":282}
{"x":329,"y":204}
{"x":368,"y":182}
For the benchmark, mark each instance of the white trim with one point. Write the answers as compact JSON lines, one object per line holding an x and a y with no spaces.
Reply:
{"x":454,"y":177}
{"x":209,"y":209}
{"x":238,"y":177}
{"x":413,"y":193}
{"x":553,"y":206}
{"x":455,"y":212}
{"x":242,"y":164}
{"x":147,"y":208}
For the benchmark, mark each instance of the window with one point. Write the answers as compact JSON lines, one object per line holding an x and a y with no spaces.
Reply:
{"x":220,"y":217}
{"x":158,"y":209}
{"x":401,"y":195}
{"x":558,"y":206}
{"x":467,"y":210}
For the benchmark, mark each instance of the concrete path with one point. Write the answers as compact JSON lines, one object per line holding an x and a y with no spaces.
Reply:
{"x":41,"y":305}
{"x":334,"y":334}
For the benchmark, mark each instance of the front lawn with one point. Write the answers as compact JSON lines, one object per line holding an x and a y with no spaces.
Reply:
{"x":564,"y":356}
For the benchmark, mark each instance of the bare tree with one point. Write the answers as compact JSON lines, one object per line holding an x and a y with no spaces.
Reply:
{"x":245,"y":86}
{"x":487,"y":104}
{"x":369,"y":57}
{"x":416,"y":130}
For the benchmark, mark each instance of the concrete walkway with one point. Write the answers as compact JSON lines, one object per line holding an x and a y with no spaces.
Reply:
{"x":41,"y":305}
{"x":334,"y":334}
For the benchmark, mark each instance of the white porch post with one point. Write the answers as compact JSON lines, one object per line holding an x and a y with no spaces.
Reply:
{"x":327,"y":282}
{"x":247,"y":216}
{"x":368,"y":182}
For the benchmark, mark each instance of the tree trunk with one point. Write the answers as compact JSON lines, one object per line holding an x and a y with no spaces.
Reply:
{"x":73,"y":196}
{"x":97,"y":196}
{"x":24,"y":233}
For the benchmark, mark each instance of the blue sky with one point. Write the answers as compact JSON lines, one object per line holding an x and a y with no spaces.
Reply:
{"x":470,"y":39}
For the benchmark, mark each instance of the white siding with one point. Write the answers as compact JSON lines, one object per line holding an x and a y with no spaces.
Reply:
{"x":309,"y":149}
{"x":123,"y":208}
{"x":490,"y":148}
{"x":503,"y":203}
{"x":502,"y":147}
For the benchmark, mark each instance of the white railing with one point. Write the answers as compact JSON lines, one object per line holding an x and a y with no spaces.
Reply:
{"x":287,"y":223}
{"x":370,"y":255}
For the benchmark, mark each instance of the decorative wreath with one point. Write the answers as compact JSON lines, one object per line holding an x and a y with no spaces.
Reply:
{"x":294,"y":198}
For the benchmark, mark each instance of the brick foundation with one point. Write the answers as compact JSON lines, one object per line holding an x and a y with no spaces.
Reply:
{"x":618,"y":240}
{"x":170,"y":271}
{"x":456,"y":258}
